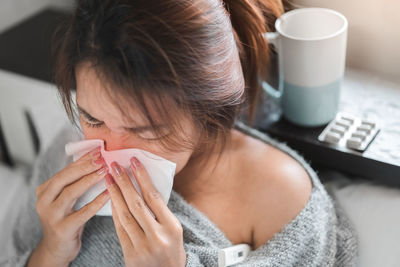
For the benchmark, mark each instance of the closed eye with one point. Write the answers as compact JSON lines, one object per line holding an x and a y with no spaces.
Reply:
{"x":94,"y":123}
{"x":98,"y":123}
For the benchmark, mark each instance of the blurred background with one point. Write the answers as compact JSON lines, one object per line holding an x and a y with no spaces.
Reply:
{"x":373,"y":35}
{"x":13,"y":11}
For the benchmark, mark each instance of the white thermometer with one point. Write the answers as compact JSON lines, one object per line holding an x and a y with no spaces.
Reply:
{"x":232,"y":255}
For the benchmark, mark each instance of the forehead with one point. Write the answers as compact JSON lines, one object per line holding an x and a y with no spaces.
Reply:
{"x":93,"y":96}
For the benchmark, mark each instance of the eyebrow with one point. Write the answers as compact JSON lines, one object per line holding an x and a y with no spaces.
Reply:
{"x":134,"y":129}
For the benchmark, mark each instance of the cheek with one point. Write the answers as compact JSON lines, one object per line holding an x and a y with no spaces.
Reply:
{"x":85,"y":130}
{"x":181,"y":159}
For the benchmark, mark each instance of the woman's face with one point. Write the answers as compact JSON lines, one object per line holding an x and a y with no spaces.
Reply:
{"x":111,"y":126}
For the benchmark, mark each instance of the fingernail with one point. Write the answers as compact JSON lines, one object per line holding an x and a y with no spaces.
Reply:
{"x":100,"y":161}
{"x":135,"y":162}
{"x":95,"y":153}
{"x":109,"y":179}
{"x":102,"y":171}
{"x":117,"y":169}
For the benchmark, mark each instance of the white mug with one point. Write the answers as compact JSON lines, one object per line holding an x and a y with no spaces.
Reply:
{"x":311,"y":46}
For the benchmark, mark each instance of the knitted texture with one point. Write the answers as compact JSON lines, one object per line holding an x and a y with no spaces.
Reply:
{"x":320,"y":235}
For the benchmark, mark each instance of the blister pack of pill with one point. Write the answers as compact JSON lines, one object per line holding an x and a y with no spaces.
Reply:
{"x":350,"y":132}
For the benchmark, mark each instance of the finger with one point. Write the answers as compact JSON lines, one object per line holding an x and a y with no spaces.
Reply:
{"x":134,"y":201}
{"x":151,"y":195}
{"x":94,"y":154}
{"x":87,"y":164}
{"x":127,"y":220}
{"x":81,"y":216}
{"x":124,"y":239}
{"x":69,"y":195}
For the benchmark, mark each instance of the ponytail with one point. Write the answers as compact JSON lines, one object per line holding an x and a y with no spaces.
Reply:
{"x":250,"y":19}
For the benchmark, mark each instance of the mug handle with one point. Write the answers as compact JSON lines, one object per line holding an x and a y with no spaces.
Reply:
{"x":272,"y":37}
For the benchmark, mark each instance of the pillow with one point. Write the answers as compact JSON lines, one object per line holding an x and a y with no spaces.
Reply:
{"x":374,"y":210}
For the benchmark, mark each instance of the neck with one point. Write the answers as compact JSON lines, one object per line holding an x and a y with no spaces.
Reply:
{"x":203,"y":175}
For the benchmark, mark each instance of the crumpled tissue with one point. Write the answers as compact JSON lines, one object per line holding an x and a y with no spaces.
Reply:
{"x":160,"y":170}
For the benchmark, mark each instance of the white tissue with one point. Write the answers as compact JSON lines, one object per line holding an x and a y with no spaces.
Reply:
{"x":160,"y":170}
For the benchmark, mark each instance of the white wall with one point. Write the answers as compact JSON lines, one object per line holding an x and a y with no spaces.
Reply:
{"x":373,"y":34}
{"x":13,"y":11}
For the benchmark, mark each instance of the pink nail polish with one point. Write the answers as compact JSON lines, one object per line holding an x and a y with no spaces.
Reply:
{"x":100,"y":161}
{"x":117,"y":169}
{"x":135,"y":163}
{"x":95,"y":153}
{"x":102,"y":171}
{"x":109,"y":179}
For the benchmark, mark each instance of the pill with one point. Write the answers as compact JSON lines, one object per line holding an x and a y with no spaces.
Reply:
{"x":332,"y":137}
{"x":353,"y":142}
{"x":365,"y":128}
{"x":342,"y":123}
{"x":359,"y":134}
{"x":338,"y":129}
{"x":369,"y":123}
{"x":350,"y":120}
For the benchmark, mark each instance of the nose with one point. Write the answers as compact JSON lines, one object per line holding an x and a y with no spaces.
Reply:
{"x":116,"y":141}
{"x":109,"y":146}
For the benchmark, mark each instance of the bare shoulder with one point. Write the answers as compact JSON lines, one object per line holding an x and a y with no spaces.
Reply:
{"x":279,"y":191}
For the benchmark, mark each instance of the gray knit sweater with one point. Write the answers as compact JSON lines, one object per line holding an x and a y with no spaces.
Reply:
{"x":320,"y":235}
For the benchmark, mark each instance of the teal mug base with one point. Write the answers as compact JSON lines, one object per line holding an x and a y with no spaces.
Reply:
{"x":311,"y":106}
{"x":307,"y":123}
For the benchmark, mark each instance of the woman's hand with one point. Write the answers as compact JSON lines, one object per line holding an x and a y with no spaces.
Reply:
{"x":145,"y":241}
{"x":62,"y":226}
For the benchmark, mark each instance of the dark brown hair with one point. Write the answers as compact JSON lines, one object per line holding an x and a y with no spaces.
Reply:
{"x":200,"y":59}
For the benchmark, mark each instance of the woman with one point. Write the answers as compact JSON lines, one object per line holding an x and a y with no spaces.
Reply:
{"x":171,"y":77}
